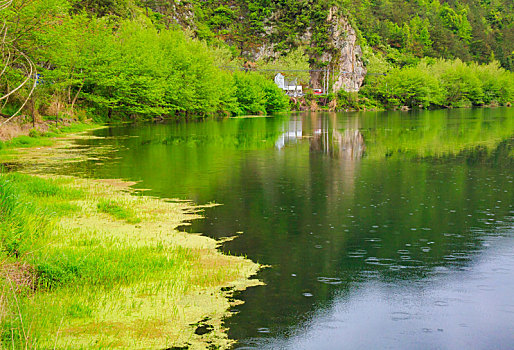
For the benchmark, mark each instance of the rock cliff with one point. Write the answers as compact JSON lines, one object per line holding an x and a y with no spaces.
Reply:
{"x":334,"y":55}
{"x":342,"y":57}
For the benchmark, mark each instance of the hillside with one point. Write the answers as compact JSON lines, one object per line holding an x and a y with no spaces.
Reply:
{"x":120,"y":59}
{"x":401,"y":30}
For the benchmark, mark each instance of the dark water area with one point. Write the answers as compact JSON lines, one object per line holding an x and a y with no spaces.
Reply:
{"x":382,"y":230}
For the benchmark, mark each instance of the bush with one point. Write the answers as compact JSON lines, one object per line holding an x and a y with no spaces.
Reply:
{"x":256,"y":94}
{"x":348,"y":99}
{"x":35,"y":133}
{"x":435,"y":83}
{"x":460,"y":83}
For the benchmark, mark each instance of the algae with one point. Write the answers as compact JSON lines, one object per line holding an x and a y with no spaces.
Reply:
{"x":115,"y":278}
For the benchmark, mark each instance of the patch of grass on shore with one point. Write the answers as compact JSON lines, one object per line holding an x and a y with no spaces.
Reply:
{"x":28,"y":141}
{"x":73,"y":277}
{"x":118,"y":211}
{"x":37,"y":138}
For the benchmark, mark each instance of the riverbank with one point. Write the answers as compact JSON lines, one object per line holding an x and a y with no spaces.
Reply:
{"x":356,"y":103}
{"x":91,"y":264}
{"x":17,"y":136}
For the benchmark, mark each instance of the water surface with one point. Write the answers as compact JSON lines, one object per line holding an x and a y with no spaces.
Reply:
{"x":383,"y":230}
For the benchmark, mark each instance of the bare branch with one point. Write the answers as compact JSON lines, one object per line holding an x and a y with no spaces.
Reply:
{"x":13,"y":54}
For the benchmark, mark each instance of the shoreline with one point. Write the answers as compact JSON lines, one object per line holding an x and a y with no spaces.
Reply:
{"x":112,"y":270}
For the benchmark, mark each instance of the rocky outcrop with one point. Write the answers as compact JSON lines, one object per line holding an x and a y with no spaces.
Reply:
{"x":335,"y":62}
{"x":178,"y":12}
{"x":342,"y":58}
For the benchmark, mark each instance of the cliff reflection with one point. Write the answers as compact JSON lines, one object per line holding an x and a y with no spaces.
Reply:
{"x":326,"y":136}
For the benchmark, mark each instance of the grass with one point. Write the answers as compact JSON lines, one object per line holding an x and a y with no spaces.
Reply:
{"x":118,"y":211}
{"x":97,"y":280}
{"x":10,"y":150}
{"x":28,"y":141}
{"x":38,"y":138}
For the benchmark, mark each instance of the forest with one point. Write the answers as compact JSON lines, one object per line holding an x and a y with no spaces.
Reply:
{"x":121,"y":59}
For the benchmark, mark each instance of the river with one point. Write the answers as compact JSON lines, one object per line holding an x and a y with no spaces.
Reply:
{"x":387,"y":230}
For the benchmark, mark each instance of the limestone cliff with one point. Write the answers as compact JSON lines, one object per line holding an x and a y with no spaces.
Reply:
{"x":336,"y":56}
{"x":342,"y":57}
{"x":263,"y":32}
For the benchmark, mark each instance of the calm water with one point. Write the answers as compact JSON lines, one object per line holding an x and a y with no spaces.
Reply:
{"x":383,"y":230}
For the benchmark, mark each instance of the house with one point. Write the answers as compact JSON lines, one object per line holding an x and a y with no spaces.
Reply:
{"x":290,"y":87}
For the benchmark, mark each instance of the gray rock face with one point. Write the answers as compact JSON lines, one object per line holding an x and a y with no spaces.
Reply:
{"x":343,"y":60}
{"x":340,"y":62}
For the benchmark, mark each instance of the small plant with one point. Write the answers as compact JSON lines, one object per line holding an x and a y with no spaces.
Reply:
{"x":112,"y":208}
{"x":34,"y":133}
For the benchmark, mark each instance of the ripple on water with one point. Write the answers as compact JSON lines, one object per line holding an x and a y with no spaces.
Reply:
{"x":379,"y":261}
{"x":449,"y":258}
{"x":441,"y":303}
{"x":441,"y":269}
{"x":359,"y":253}
{"x":461,"y":255}
{"x":485,"y":288}
{"x":396,"y":267}
{"x":500,"y":270}
{"x":263,"y":330}
{"x":372,"y":260}
{"x":412,"y":264}
{"x":330,"y":280}
{"x":400,"y":316}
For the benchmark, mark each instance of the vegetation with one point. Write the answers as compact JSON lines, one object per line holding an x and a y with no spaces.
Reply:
{"x":442,"y":83}
{"x":111,"y":60}
{"x":11,"y":148}
{"x":402,"y":31}
{"x":77,"y":272}
{"x":117,"y":68}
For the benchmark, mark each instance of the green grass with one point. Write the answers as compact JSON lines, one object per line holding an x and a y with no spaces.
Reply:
{"x":28,"y":141}
{"x":102,"y":282}
{"x":38,"y":138}
{"x":118,"y":211}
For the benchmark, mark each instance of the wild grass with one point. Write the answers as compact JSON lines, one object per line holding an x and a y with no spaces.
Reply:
{"x":99,"y":280}
{"x":37,"y":138}
{"x":118,"y":211}
{"x":28,"y":141}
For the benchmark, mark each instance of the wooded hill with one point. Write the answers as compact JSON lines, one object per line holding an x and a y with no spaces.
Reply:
{"x":471,"y":30}
{"x":112,"y":59}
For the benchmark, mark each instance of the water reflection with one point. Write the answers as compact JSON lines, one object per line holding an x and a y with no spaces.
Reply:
{"x":389,"y":230}
{"x":347,"y":143}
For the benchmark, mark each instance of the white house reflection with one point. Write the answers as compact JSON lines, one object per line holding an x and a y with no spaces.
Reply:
{"x":326,"y":136}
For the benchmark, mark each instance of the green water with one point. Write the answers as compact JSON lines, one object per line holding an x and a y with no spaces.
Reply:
{"x":383,"y":230}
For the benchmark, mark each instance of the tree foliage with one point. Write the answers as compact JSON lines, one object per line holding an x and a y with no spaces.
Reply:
{"x":437,"y":83}
{"x":147,"y":58}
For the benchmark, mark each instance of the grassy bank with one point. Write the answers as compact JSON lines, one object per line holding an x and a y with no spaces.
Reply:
{"x":42,"y":136}
{"x":86,"y":264}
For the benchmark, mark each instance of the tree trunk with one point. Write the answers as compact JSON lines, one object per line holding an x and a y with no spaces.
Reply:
{"x":33,"y":109}
{"x":75,"y":98}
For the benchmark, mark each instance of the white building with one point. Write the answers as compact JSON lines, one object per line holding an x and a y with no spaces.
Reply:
{"x":279,"y":80}
{"x":290,"y":87}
